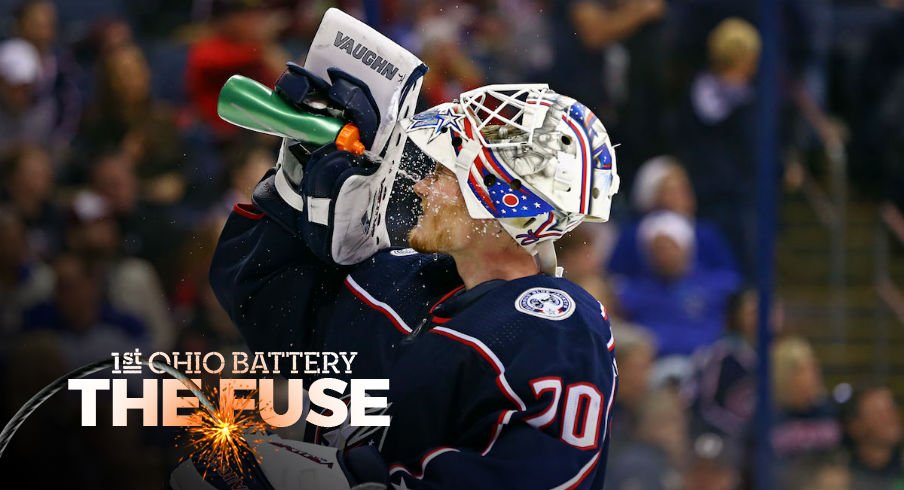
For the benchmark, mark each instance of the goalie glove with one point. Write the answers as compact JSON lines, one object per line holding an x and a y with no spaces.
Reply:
{"x":289,"y":465}
{"x":354,"y":73}
{"x":342,"y":198}
{"x":342,"y":202}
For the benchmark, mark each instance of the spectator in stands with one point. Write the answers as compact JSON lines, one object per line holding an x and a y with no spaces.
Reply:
{"x":24,"y":280}
{"x":806,"y":421}
{"x":242,"y":43}
{"x":245,"y":164}
{"x":582,"y":30}
{"x":822,"y":471}
{"x":635,"y":353}
{"x":452,"y":69}
{"x":872,"y":426}
{"x":87,"y":327}
{"x":205,"y":326}
{"x":716,"y":135}
{"x":36,"y":23}
{"x":102,"y":36}
{"x":125,"y":118}
{"x":497,"y":37}
{"x":881,"y":101}
{"x":681,"y":303}
{"x":28,"y":187}
{"x":113,"y":177}
{"x":663,"y":184}
{"x":453,"y":74}
{"x":109,"y":34}
{"x":24,"y":116}
{"x":614,"y":53}
{"x":714,"y":464}
{"x":654,"y":459}
{"x":723,"y":391}
{"x":150,"y":231}
{"x":130,"y":284}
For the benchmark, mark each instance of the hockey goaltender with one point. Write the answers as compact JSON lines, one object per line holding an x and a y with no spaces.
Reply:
{"x":502,"y":373}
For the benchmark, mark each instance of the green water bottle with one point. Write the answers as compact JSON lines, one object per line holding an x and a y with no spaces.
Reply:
{"x":251,"y":105}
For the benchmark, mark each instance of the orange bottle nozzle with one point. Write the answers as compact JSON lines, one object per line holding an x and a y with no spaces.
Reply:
{"x":349,"y":139}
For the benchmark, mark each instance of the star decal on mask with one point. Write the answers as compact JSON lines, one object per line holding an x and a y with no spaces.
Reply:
{"x":438,"y":121}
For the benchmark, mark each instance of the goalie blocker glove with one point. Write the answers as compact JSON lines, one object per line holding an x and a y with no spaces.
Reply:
{"x":340,"y":198}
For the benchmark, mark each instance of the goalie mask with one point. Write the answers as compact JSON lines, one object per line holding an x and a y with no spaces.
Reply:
{"x":537,"y":161}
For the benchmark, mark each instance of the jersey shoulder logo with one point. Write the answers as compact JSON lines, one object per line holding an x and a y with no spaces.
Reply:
{"x":552,"y":304}
{"x":402,"y":252}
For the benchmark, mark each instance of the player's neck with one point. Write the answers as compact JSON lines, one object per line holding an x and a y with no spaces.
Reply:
{"x":481,"y":265}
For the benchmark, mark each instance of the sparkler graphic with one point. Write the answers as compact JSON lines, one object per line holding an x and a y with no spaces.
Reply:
{"x":220,"y":437}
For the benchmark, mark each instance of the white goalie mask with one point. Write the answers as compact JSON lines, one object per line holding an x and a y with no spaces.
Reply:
{"x":537,"y":161}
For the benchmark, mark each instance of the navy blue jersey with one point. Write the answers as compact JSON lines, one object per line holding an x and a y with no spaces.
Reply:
{"x":507,"y":385}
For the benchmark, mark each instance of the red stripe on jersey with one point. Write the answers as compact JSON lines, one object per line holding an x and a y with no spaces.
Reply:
{"x":607,"y":428}
{"x":503,"y":419}
{"x":445,"y":297}
{"x":372,"y":302}
{"x":501,"y":382}
{"x":425,"y":460}
{"x":247,"y":210}
{"x":488,"y":355}
{"x":576,"y":481}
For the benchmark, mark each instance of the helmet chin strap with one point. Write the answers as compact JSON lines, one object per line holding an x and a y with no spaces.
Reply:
{"x":546,"y":258}
{"x":543,"y":252}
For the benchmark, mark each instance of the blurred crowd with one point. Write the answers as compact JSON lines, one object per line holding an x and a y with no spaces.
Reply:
{"x":117,"y":176}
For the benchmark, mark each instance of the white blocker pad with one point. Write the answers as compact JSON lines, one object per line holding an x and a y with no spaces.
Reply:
{"x":394,"y":77}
